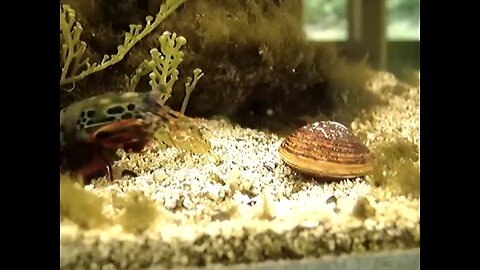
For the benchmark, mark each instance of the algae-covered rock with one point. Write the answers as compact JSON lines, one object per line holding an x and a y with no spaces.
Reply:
{"x":255,"y":57}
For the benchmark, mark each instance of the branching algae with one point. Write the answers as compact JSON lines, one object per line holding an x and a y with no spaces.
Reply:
{"x":74,"y":65}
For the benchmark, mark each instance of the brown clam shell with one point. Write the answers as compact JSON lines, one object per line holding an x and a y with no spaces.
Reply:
{"x":326,"y":149}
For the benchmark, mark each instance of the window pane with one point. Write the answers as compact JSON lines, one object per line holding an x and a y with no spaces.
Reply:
{"x":403,"y":19}
{"x":325,"y":19}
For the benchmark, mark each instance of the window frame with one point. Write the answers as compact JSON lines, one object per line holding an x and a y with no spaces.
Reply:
{"x":374,"y":45}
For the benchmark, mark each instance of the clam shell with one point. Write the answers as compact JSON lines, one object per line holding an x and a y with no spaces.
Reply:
{"x":326,"y":149}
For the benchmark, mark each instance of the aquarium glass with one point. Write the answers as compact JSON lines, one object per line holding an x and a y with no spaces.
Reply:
{"x":325,"y":19}
{"x":403,"y":19}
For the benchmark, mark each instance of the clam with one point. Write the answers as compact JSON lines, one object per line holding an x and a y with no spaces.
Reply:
{"x":326,"y":149}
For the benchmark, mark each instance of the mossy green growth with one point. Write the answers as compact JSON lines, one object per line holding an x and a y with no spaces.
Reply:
{"x":363,"y":209}
{"x":397,"y":166}
{"x":79,"y":205}
{"x":139,"y":213}
{"x":348,"y":88}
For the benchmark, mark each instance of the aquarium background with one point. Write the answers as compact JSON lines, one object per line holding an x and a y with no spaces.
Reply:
{"x":329,"y":20}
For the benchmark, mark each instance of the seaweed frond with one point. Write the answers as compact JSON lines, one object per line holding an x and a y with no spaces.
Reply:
{"x":162,"y":68}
